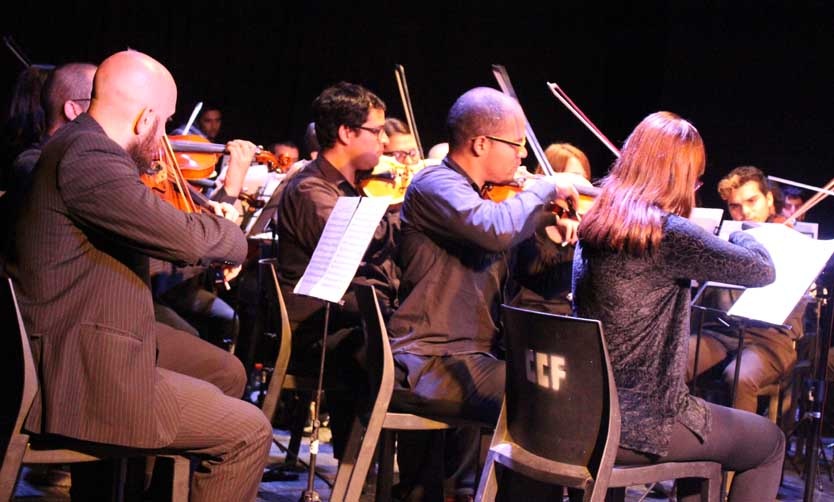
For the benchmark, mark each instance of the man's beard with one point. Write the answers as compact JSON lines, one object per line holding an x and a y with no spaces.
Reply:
{"x":145,"y":151}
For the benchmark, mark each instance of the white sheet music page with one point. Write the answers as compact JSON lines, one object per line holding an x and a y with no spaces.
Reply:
{"x":798,"y":260}
{"x":707,"y":218}
{"x":342,"y":244}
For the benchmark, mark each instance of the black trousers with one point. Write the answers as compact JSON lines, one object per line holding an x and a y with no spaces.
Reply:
{"x":469,"y":386}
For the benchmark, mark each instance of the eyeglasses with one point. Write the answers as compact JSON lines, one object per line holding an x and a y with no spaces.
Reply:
{"x":402,"y":155}
{"x":376,"y":131}
{"x":520,"y":145}
{"x":80,"y":99}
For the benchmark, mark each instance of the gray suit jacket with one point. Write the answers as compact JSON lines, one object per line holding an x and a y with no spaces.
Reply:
{"x":80,"y":267}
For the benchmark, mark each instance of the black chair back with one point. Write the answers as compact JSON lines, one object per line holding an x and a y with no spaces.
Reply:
{"x":558,"y":381}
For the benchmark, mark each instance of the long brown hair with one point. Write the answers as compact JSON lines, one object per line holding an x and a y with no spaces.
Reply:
{"x":656,"y":173}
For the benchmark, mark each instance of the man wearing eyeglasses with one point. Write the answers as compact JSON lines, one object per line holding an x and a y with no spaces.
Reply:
{"x":454,"y":253}
{"x":401,"y":143}
{"x":350,"y":122}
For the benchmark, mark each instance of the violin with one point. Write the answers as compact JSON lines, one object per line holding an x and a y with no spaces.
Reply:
{"x":196,"y":156}
{"x":389,"y":178}
{"x":169,"y":184}
{"x":502,"y":192}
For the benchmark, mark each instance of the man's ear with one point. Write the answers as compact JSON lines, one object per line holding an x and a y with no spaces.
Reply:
{"x":144,"y":122}
{"x":770,"y":200}
{"x":478,"y":146}
{"x":345,"y":133}
{"x":72,"y":110}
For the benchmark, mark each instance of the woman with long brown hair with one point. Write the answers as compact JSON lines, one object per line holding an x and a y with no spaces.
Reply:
{"x":636,"y":256}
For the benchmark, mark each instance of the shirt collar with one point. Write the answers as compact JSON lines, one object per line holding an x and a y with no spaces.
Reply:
{"x":451,"y":164}
{"x":331,"y":174}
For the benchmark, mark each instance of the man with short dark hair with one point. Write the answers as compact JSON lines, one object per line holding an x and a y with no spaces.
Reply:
{"x":349,"y":127}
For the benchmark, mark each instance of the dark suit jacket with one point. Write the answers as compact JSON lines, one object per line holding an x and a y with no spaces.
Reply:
{"x":80,"y":266}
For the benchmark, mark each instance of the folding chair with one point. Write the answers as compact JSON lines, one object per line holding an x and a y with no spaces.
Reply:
{"x":560,"y":422}
{"x":385,"y":416}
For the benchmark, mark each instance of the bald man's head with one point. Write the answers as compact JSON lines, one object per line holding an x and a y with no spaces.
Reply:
{"x":479,"y":111}
{"x":133,"y":97}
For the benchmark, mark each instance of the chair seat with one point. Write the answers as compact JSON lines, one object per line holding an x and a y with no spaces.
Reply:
{"x":51,"y":450}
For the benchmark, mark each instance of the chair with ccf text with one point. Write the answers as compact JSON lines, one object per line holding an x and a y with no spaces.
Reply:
{"x":560,"y":422}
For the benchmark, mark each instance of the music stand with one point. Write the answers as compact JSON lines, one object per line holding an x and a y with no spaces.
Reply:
{"x":337,"y":256}
{"x":798,"y":261}
{"x":739,"y":324}
{"x":816,"y":388}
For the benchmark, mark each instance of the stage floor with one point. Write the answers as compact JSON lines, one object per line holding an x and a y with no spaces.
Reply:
{"x":290,"y":491}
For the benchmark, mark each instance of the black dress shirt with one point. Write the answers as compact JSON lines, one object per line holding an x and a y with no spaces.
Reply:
{"x":305,"y":206}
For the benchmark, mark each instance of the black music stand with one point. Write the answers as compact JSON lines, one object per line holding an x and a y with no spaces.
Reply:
{"x":734,"y":323}
{"x":337,"y":256}
{"x":815,"y":389}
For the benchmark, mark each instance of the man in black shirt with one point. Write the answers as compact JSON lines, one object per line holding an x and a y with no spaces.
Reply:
{"x":349,"y":127}
{"x":454,"y":257}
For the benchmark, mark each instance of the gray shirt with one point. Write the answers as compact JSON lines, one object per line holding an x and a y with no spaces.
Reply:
{"x":643,"y":304}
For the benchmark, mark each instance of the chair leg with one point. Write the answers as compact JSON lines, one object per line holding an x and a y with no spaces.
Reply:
{"x":12,"y":461}
{"x":385,"y":471}
{"x":119,"y":479}
{"x":363,"y":462}
{"x":181,"y":482}
{"x":488,"y":484}
{"x":347,"y":464}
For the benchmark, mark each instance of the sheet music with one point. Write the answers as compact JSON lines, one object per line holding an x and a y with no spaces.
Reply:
{"x":798,"y":260}
{"x":342,"y":245}
{"x":707,"y":218}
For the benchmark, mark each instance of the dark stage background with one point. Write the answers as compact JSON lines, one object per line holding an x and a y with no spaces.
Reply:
{"x":755,"y":78}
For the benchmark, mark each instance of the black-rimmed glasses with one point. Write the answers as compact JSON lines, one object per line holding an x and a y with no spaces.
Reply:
{"x":520,"y":145}
{"x":376,"y":131}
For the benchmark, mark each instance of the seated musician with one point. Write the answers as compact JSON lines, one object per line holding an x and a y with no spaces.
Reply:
{"x":401,"y":143}
{"x":793,"y":198}
{"x":79,"y":262}
{"x":349,"y":122}
{"x":768,"y":352}
{"x":544,"y":283}
{"x":445,"y":334}
{"x":636,"y":255}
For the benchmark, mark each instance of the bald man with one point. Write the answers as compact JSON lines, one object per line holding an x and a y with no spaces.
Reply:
{"x":444,"y":338}
{"x":80,"y":268}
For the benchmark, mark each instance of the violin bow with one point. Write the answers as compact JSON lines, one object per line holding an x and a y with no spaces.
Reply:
{"x":21,"y":56}
{"x":819,"y":195}
{"x":563,"y":98}
{"x":506,"y":86}
{"x":193,"y":117}
{"x":402,"y":85}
